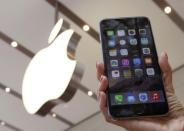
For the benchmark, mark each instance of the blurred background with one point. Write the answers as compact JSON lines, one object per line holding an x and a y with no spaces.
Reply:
{"x":29,"y":23}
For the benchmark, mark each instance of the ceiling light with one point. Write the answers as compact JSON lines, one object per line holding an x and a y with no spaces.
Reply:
{"x":86,"y":28}
{"x":53,"y":115}
{"x":14,"y":44}
{"x":167,"y":10}
{"x":7,"y":90}
{"x":2,"y":123}
{"x":90,"y":93}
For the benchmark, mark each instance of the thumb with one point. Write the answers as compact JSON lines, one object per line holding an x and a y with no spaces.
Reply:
{"x":167,"y":72}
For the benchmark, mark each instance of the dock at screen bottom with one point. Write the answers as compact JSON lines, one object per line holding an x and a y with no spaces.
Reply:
{"x":126,"y":98}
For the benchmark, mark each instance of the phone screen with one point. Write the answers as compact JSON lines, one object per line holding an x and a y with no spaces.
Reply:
{"x":131,"y":65}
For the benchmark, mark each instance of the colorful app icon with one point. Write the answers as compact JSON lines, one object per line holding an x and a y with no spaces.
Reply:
{"x":115,"y":74}
{"x":155,"y":96}
{"x":150,"y":71}
{"x":125,"y":62}
{"x":143,"y":97}
{"x":144,"y":41}
{"x":111,"y":43}
{"x":146,"y":51}
{"x":131,"y":32}
{"x":142,"y":31}
{"x":113,"y":52}
{"x":148,"y":61}
{"x":131,"y":98}
{"x":110,"y":33}
{"x":122,"y":42}
{"x":133,"y":41}
{"x":127,"y":73}
{"x":121,"y":32}
{"x":114,"y":63}
{"x":136,"y":61}
{"x":124,"y":52}
{"x":138,"y":72}
{"x":118,"y":99}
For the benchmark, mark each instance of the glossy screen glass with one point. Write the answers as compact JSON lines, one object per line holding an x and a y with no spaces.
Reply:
{"x":131,"y":62}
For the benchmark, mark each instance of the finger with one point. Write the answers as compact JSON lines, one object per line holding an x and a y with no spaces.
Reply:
{"x":167,"y":72}
{"x":103,"y":101}
{"x":139,"y":125}
{"x":103,"y":85}
{"x":100,"y":69}
{"x":103,"y":106}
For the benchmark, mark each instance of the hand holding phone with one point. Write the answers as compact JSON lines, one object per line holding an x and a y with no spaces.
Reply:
{"x":173,"y":121}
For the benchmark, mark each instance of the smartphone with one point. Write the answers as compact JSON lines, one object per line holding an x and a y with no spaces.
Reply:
{"x":131,"y":65}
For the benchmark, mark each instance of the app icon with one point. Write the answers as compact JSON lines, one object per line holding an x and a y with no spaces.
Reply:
{"x":110,"y":33}
{"x":127,"y":73}
{"x":155,"y":96}
{"x":111,"y":43}
{"x":125,"y":62}
{"x":144,"y":41}
{"x":124,"y":52}
{"x":115,"y":74}
{"x":131,"y":32}
{"x":118,"y":99}
{"x":150,"y":71}
{"x":122,"y":42}
{"x":131,"y":98}
{"x":136,"y":61}
{"x":121,"y":32}
{"x":114,"y":63}
{"x":142,"y":31}
{"x":146,"y":51}
{"x":148,"y":61}
{"x":113,"y":52}
{"x":143,"y":97}
{"x":138,"y":73}
{"x":133,"y":41}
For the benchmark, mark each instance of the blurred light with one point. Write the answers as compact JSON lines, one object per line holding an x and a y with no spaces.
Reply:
{"x":53,"y":115}
{"x":86,"y":28}
{"x":7,"y":90}
{"x":167,"y":10}
{"x":2,"y":123}
{"x":14,"y":44}
{"x":90,"y":93}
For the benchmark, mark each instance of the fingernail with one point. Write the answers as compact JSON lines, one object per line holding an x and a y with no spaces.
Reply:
{"x":164,"y":54}
{"x":96,"y":64}
{"x":101,"y":78}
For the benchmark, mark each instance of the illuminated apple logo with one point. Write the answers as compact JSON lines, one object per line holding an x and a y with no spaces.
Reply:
{"x":49,"y":73}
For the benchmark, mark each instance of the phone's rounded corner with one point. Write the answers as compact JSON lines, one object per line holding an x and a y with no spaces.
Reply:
{"x":102,"y":21}
{"x":167,"y":110}
{"x":111,"y":116}
{"x":145,"y":17}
